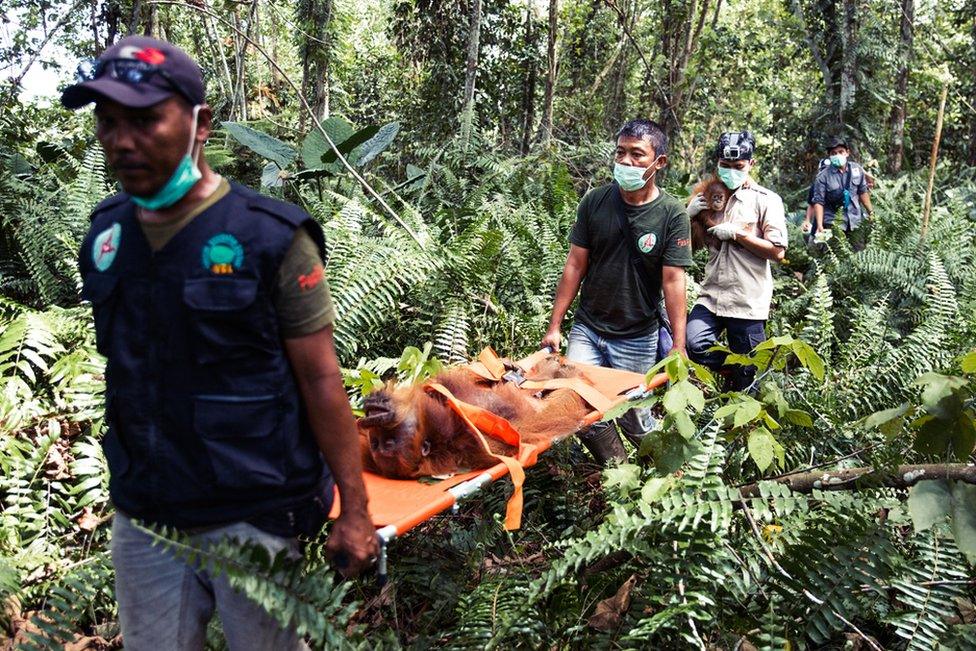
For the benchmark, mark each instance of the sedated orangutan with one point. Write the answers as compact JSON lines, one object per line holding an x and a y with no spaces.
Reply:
{"x":717,"y":195}
{"x":411,"y":432}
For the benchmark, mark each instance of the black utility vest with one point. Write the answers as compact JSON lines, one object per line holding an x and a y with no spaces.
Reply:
{"x":205,"y":423}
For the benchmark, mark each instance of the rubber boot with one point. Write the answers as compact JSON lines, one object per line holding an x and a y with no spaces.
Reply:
{"x":604,"y":443}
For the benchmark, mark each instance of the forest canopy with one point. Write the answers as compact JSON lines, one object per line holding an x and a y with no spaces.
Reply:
{"x":444,"y":145}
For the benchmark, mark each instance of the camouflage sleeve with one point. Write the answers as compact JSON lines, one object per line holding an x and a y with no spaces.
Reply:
{"x":301,"y":296}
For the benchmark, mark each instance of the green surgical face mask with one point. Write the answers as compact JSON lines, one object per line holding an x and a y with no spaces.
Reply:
{"x":838,"y":160}
{"x":731,"y":177}
{"x":630,"y":178}
{"x":184,"y":177}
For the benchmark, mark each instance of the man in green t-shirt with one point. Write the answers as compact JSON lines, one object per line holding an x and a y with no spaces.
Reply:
{"x":619,"y":226}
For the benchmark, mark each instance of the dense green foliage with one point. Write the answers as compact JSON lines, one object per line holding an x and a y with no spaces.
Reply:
{"x":690,"y":544}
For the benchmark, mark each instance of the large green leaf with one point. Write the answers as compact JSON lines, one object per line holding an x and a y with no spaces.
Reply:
{"x":315,"y":148}
{"x":942,"y":395}
{"x":798,"y":417}
{"x":888,"y":421}
{"x":271,"y":176}
{"x":684,"y":424}
{"x":348,"y":146}
{"x":748,"y":410}
{"x":964,"y":518}
{"x":682,"y":395}
{"x":669,"y":450}
{"x":655,"y":487}
{"x":809,"y":358}
{"x":968,"y":362}
{"x":376,"y":144}
{"x":262,"y":144}
{"x":762,"y":447}
{"x":929,"y":502}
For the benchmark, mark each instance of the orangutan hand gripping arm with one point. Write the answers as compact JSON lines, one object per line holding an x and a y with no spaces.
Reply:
{"x":316,"y":367}
{"x":574,"y":271}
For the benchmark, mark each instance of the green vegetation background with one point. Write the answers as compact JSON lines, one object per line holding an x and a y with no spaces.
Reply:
{"x":681,"y":547}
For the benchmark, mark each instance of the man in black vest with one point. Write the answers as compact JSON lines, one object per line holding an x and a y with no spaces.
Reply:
{"x":223,"y":390}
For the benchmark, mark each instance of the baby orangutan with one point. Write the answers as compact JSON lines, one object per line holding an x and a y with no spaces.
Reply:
{"x":717,"y":196}
{"x":411,"y":432}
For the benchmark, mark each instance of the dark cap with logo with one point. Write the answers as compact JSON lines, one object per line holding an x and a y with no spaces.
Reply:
{"x":736,"y":145}
{"x":137,"y":72}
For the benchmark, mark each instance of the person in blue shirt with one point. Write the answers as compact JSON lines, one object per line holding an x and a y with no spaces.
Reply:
{"x":840,"y":196}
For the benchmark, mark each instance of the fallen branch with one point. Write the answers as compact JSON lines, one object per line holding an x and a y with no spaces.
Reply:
{"x":839,"y":480}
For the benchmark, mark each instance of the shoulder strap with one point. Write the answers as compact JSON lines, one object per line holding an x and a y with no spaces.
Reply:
{"x":636,"y":258}
{"x":481,"y":423}
{"x":105,"y":204}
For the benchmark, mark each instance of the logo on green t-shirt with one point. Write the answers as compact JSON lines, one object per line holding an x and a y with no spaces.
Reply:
{"x":646,"y":242}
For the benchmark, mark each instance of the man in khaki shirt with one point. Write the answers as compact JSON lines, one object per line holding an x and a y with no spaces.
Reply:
{"x":738,"y":284}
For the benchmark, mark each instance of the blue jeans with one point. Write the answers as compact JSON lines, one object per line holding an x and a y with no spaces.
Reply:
{"x":703,"y":331}
{"x":166,"y":603}
{"x":637,"y":354}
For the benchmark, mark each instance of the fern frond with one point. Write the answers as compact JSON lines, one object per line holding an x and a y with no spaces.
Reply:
{"x":927,"y":588}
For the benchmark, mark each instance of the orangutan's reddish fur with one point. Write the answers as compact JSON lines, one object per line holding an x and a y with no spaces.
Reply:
{"x":411,"y":432}
{"x":717,"y":195}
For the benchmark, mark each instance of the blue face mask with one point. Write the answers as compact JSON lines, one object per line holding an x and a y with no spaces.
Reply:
{"x":838,"y":160}
{"x":731,"y":177}
{"x":630,"y":178}
{"x":184,"y":177}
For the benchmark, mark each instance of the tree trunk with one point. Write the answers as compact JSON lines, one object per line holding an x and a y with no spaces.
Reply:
{"x":848,"y":81}
{"x":896,"y":122}
{"x":971,"y":150}
{"x":681,"y":26}
{"x":314,"y":17}
{"x":546,"y":131}
{"x":135,"y":18}
{"x":796,"y":6}
{"x":152,"y":22}
{"x":471,"y":72}
{"x":528,"y":87}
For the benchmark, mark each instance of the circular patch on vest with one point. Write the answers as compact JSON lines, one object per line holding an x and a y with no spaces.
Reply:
{"x":646,"y":242}
{"x":105,"y":246}
{"x":223,"y":254}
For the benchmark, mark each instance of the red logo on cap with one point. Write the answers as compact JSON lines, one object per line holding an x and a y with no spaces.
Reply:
{"x":150,"y":55}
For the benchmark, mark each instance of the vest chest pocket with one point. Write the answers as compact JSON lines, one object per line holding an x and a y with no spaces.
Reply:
{"x":100,"y":290}
{"x":242,"y":437}
{"x":227,"y":319}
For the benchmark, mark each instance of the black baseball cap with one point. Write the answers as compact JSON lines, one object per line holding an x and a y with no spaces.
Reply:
{"x":137,"y":72}
{"x":736,"y":145}
{"x":837,"y":141}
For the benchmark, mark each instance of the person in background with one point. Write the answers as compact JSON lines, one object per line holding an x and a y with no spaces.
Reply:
{"x":226,"y":412}
{"x":631,"y":242}
{"x":738,"y":285}
{"x":840,"y":198}
{"x":810,"y":214}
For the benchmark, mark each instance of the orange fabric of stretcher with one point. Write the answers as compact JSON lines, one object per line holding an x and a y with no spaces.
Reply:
{"x":406,"y":503}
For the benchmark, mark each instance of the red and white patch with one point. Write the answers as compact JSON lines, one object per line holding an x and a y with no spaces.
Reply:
{"x":149,"y":55}
{"x":646,"y":242}
{"x":312,"y":278}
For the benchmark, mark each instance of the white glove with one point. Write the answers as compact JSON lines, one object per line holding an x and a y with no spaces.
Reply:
{"x":724,"y":231}
{"x":822,"y":236}
{"x":697,"y":205}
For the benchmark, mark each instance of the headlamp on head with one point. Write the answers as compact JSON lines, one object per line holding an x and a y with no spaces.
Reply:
{"x":736,"y":145}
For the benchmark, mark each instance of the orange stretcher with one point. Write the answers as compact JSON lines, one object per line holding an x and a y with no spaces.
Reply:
{"x":398,"y":505}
